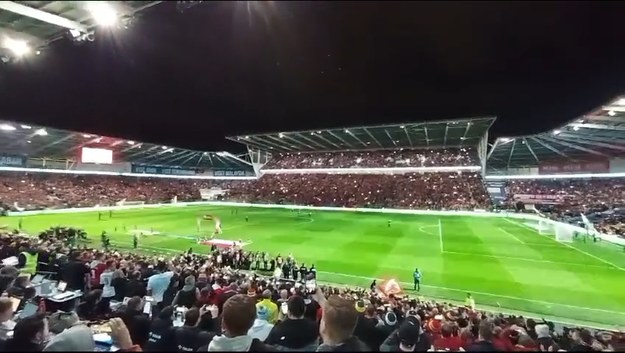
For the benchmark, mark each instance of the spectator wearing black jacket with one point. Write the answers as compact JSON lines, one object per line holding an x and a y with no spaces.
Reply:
{"x":135,"y":286}
{"x":485,"y":338}
{"x":137,"y":322}
{"x":410,"y":337}
{"x":190,"y":337}
{"x":296,"y":333}
{"x":162,"y":336}
{"x":89,"y":310}
{"x":29,"y":335}
{"x":366,"y":328}
{"x":188,"y":295}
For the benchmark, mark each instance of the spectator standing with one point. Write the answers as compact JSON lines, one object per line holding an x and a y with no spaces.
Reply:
{"x":189,"y":337}
{"x":272,"y":307}
{"x":136,"y":321}
{"x":336,"y":329}
{"x":239,"y":313}
{"x":295,"y":333}
{"x":261,"y":327}
{"x":484,"y":342}
{"x":75,"y":272}
{"x":188,"y":295}
{"x":106,"y":279}
{"x":119,"y":283}
{"x":29,"y":335}
{"x":158,"y":283}
{"x":162,"y":336}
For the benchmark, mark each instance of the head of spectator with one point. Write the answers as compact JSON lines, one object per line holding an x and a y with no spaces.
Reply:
{"x":59,"y":321}
{"x":337,"y":325}
{"x":192,"y":317}
{"x":189,"y":283}
{"x":77,"y":338}
{"x":261,"y":327}
{"x":296,"y":308}
{"x":134,"y":305}
{"x":29,"y":334}
{"x":239,"y":313}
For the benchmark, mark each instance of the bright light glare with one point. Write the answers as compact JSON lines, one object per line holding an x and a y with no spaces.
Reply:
{"x":611,"y":113}
{"x":103,"y":14}
{"x":575,"y":128}
{"x":41,"y":132}
{"x":556,"y":132}
{"x":7,"y":127}
{"x":164,"y":147}
{"x":86,"y":136}
{"x":131,"y":142}
{"x":26,"y":127}
{"x":18,"y":47}
{"x":74,"y":33}
{"x":621,"y":101}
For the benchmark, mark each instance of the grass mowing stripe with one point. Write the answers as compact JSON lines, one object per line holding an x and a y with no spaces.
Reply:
{"x":570,"y":246}
{"x":511,"y":235}
{"x":526,"y":259}
{"x":440,"y":234}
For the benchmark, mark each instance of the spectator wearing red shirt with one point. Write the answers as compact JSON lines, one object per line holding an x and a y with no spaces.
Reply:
{"x":447,"y":340}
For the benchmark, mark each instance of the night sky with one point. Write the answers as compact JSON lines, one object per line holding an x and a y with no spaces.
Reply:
{"x":223,"y":68}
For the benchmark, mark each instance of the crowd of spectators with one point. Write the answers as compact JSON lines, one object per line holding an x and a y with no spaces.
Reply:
{"x":44,"y":190}
{"x":375,"y":159}
{"x":202,"y":303}
{"x":411,"y":190}
{"x":602,"y":200}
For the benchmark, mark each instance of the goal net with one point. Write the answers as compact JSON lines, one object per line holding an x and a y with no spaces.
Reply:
{"x":562,"y":232}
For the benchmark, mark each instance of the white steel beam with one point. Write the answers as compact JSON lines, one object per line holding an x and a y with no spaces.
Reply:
{"x":390,"y":138}
{"x":372,"y":137}
{"x":529,"y":148}
{"x":598,"y":126}
{"x":236,"y":158}
{"x":42,"y":16}
{"x":580,"y":148}
{"x":340,"y":139}
{"x":511,"y":152}
{"x":549,"y":147}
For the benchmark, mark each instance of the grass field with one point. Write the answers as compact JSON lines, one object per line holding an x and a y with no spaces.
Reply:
{"x":501,"y":262}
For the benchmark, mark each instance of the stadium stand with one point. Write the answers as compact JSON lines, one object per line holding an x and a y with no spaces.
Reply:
{"x":586,"y":157}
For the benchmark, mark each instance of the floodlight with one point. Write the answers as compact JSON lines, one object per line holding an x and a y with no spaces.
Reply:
{"x":164,"y":147}
{"x":247,"y":137}
{"x":575,"y":128}
{"x":281,"y":135}
{"x":41,"y":132}
{"x":103,"y":13}
{"x":86,"y":136}
{"x":346,"y":131}
{"x":27,"y":127}
{"x":621,"y":101}
{"x":402,"y":127}
{"x":611,"y":113}
{"x":556,"y":132}
{"x":318,"y":132}
{"x":7,"y":127}
{"x":131,"y":142}
{"x":19,"y":48}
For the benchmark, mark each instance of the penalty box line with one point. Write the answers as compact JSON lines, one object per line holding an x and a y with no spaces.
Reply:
{"x":567,"y":245}
{"x":526,"y":259}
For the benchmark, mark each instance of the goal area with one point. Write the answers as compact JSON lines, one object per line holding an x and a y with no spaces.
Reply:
{"x":561,"y":232}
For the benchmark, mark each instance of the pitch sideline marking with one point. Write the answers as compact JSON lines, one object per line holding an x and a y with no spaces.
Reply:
{"x":568,"y":246}
{"x":512,"y":235}
{"x":440,"y":234}
{"x":484,"y":294}
{"x":527,"y":259}
{"x":451,"y":289}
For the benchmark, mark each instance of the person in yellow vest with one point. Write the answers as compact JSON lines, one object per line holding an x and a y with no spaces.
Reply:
{"x":27,"y":261}
{"x":469,"y":302}
{"x":272,"y":307}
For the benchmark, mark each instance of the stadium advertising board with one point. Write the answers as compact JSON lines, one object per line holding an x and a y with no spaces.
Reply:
{"x":598,"y":166}
{"x":12,"y":161}
{"x":228,"y":172}
{"x":146,"y":169}
{"x":96,"y":155}
{"x":543,"y":199}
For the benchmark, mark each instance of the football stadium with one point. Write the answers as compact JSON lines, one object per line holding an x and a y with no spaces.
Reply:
{"x":527,"y":226}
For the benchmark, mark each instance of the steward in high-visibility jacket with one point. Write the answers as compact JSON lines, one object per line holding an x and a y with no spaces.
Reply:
{"x":27,"y":260}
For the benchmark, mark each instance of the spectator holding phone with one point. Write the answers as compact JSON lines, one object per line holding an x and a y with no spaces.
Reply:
{"x":190,"y":337}
{"x":295,"y":333}
{"x":162,"y":336}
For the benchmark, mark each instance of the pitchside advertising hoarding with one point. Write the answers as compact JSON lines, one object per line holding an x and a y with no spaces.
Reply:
{"x":596,"y":166}
{"x":12,"y":161}
{"x":541,"y":199}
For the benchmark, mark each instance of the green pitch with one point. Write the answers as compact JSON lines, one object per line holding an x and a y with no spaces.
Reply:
{"x":503,"y":263}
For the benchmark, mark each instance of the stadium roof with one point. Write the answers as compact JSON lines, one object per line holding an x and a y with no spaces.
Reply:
{"x":447,"y":133}
{"x":55,"y":144}
{"x":598,"y":134}
{"x":38,"y":23}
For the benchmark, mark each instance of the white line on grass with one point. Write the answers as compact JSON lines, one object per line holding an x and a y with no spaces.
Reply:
{"x":526,"y":259}
{"x":568,"y":246}
{"x":511,"y":235}
{"x":485,"y":294}
{"x":440,"y":234}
